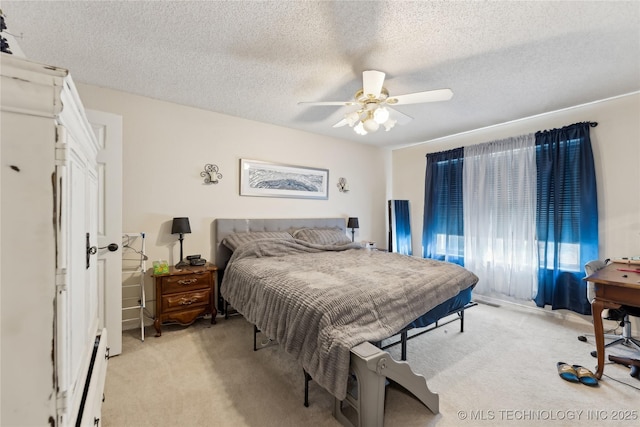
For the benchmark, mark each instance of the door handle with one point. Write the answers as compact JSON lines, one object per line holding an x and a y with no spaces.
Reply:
{"x":111,"y":246}
{"x":91,"y":250}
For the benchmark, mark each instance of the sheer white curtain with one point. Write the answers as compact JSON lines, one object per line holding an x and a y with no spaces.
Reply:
{"x":499,"y":199}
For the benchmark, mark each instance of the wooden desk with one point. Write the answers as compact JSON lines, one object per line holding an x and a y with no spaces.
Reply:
{"x":612,"y":289}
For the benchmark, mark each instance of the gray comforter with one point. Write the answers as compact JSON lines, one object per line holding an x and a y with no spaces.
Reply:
{"x":318,"y":302}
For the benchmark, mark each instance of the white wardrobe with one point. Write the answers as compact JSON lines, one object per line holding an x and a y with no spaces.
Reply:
{"x":53,"y":351}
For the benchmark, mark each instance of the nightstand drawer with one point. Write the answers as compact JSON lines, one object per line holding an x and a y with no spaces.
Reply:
{"x":186,"y":300}
{"x":187,"y":282}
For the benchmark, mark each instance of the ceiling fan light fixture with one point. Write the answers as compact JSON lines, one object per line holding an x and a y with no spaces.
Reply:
{"x":359,"y":129}
{"x":352,"y":118}
{"x":371,"y":125}
{"x":381,"y":115}
{"x":389,"y":124}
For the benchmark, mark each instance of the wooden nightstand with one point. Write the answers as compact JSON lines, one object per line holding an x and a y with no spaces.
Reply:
{"x":184,"y":295}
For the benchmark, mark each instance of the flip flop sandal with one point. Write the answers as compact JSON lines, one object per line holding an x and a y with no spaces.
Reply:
{"x":585,"y":376}
{"x":567,"y":372}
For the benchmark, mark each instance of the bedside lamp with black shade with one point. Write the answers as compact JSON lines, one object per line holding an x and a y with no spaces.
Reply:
{"x":181,"y":226}
{"x":352,"y":223}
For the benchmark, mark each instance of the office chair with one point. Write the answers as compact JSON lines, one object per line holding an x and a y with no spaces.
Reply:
{"x":620,"y":315}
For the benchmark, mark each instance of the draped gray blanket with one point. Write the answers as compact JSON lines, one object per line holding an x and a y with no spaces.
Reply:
{"x":318,"y":302}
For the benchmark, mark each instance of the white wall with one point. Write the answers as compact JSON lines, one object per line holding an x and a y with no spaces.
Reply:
{"x":616,"y":149}
{"x":165,"y":147}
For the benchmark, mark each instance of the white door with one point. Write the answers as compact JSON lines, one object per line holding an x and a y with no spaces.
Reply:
{"x":77,"y":301}
{"x":108,"y":130}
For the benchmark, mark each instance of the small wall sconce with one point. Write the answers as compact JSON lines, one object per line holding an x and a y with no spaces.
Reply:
{"x":210,"y":174}
{"x":342,"y":185}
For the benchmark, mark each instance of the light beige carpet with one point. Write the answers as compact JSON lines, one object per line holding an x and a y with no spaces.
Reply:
{"x":500,"y":371}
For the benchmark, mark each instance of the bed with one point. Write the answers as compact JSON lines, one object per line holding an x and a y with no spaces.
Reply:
{"x":319,"y":296}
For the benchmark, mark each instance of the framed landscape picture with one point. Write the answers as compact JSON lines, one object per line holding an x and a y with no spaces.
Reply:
{"x":266,"y":179}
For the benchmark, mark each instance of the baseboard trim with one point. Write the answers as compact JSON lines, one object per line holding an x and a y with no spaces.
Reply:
{"x":559,"y":314}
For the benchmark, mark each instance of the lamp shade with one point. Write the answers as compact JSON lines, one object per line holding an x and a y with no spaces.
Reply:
{"x":180,"y":226}
{"x":353,"y":223}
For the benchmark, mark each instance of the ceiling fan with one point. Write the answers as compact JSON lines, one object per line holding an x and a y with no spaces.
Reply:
{"x":373,"y":104}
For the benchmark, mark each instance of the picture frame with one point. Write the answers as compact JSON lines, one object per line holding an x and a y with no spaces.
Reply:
{"x":266,"y":179}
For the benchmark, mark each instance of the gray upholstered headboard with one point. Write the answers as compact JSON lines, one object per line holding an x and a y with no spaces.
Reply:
{"x":224,"y":227}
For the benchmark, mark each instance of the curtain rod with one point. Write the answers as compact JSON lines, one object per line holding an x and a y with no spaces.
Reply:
{"x":591,"y":124}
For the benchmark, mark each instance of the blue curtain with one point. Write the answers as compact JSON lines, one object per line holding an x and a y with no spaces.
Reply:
{"x":443,"y":223}
{"x":566,"y":217}
{"x":400,"y":227}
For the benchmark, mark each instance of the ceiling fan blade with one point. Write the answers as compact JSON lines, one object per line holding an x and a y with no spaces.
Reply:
{"x":401,"y":118}
{"x":418,"y":97}
{"x":327,"y":103}
{"x":341,"y":123}
{"x":372,"y":83}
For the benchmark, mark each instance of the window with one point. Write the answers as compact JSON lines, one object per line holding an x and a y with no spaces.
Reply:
{"x":565,"y":210}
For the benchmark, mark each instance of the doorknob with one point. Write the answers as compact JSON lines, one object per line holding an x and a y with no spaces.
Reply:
{"x":111,"y":246}
{"x":92,"y":250}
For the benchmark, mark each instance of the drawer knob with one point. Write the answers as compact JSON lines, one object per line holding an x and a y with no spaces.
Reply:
{"x":187,"y":281}
{"x":187,"y":301}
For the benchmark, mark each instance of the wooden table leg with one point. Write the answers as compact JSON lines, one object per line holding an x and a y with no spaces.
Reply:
{"x":598,"y":329}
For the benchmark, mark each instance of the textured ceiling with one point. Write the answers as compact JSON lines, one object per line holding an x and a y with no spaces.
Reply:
{"x":503,"y":60}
